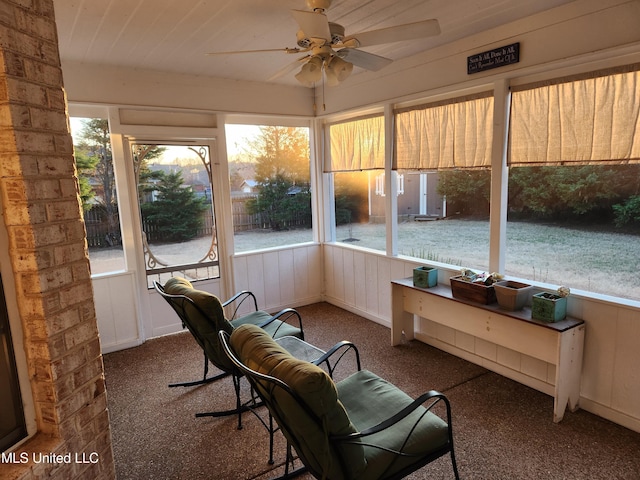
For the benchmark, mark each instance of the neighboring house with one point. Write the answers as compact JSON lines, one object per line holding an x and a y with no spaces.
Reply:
{"x":418,"y":197}
{"x":249,"y":186}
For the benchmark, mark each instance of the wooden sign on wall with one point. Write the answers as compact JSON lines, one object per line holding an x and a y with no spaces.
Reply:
{"x":498,"y":57}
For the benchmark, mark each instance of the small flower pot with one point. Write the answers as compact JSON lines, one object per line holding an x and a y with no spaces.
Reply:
{"x":425,"y":277}
{"x":512,"y":295}
{"x":548,"y":307}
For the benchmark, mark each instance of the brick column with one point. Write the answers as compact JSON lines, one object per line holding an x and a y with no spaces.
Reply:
{"x":43,"y":217}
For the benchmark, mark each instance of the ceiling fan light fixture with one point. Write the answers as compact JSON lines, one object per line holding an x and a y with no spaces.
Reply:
{"x":311,"y":72}
{"x":337,"y":70}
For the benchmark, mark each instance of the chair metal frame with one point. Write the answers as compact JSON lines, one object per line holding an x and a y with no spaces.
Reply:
{"x":179,"y":303}
{"x":265,"y":385}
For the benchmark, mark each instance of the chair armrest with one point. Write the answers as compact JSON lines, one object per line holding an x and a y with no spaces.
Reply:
{"x":284,"y":316}
{"x":340,"y":349}
{"x":243,"y":296}
{"x":437,"y":397}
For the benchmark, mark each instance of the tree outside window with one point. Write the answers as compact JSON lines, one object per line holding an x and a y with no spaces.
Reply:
{"x":270,"y":185}
{"x":96,"y":179}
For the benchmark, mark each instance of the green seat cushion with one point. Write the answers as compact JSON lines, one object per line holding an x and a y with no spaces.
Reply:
{"x":369,"y":400}
{"x":257,"y":350}
{"x":275,"y":329}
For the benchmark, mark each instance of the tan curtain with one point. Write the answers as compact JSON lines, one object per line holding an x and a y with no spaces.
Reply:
{"x":452,"y":134}
{"x":585,"y":121}
{"x":356,"y":145}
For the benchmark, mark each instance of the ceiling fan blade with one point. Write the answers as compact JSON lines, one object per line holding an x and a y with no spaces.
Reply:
{"x":365,"y":60}
{"x":234,"y":52}
{"x":313,"y":24}
{"x":399,"y":33}
{"x":287,"y":69}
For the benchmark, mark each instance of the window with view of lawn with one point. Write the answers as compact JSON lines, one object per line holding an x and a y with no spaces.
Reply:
{"x":356,"y":164}
{"x":97,"y":184}
{"x":572,"y":173}
{"x":574,"y":182}
{"x":443,"y":150}
{"x":270,"y":180}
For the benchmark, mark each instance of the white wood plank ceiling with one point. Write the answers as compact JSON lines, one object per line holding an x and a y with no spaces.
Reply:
{"x":174,"y":36}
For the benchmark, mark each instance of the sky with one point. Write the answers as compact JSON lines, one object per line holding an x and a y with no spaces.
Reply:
{"x":237,"y":135}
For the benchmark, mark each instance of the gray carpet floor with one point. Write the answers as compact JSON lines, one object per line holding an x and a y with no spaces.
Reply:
{"x":502,"y":429}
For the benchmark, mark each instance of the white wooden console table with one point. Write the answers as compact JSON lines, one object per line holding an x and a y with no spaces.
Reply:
{"x":559,"y":343}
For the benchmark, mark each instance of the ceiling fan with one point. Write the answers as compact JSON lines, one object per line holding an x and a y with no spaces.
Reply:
{"x":330,"y":52}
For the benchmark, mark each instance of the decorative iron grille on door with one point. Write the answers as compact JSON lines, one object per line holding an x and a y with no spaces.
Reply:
{"x":175,"y":196}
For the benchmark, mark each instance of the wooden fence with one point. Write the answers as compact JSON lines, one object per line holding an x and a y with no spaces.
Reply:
{"x":101,"y":235}
{"x":243,"y":221}
{"x":101,"y":232}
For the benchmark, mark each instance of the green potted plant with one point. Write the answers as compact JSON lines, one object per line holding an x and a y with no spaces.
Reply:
{"x":550,"y":307}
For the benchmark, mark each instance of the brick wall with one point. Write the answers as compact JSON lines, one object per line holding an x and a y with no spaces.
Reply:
{"x":42,"y":213}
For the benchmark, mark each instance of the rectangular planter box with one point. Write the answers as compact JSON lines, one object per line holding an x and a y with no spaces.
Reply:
{"x":425,"y":277}
{"x":548,"y":307}
{"x":473,"y":292}
{"x":512,"y":295}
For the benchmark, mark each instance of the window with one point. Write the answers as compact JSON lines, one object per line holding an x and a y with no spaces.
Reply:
{"x":96,"y":178}
{"x":175,"y":196}
{"x":359,"y":209}
{"x":573,"y":183}
{"x":443,"y":154}
{"x":357,"y":166}
{"x":269,"y":168}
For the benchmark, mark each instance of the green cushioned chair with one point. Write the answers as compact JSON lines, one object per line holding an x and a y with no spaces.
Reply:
{"x":203,"y":314}
{"x":362,"y":427}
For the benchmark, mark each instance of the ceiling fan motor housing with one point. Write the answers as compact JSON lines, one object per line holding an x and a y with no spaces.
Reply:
{"x":318,"y":4}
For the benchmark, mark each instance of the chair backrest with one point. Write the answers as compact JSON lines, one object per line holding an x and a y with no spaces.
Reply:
{"x":302,"y":398}
{"x":202,"y":313}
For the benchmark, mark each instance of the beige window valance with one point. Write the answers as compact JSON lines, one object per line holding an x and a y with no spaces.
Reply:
{"x":592,"y":119}
{"x":356,"y":145}
{"x":451,"y":134}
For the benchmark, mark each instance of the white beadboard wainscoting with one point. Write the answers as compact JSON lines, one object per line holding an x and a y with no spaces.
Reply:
{"x":359,"y":281}
{"x":281,"y":277}
{"x":116,"y":305}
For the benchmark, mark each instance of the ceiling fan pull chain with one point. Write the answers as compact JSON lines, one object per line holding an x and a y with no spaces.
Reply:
{"x":324,"y":108}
